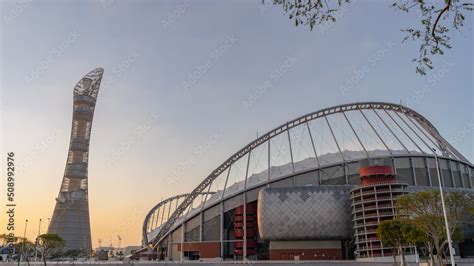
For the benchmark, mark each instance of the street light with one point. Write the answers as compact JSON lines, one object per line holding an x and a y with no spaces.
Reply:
{"x":450,"y":242}
{"x":24,"y":240}
{"x":37,"y":239}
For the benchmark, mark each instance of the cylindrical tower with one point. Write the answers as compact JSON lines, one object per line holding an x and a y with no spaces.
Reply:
{"x":71,"y":215}
{"x":373,"y":202}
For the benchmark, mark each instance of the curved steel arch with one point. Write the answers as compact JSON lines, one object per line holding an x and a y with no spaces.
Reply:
{"x":445,"y":148}
{"x":150,"y":213}
{"x":156,"y":207}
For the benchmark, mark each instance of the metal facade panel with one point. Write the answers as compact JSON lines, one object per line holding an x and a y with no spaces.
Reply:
{"x":302,"y":213}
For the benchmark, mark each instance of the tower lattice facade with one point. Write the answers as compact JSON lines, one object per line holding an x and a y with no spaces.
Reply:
{"x":70,"y":218}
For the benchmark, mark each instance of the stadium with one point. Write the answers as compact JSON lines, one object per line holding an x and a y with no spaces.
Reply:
{"x":314,"y":188}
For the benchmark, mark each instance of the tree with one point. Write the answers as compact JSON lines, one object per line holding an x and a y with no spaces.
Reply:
{"x":49,"y":244}
{"x":22,"y":246}
{"x":394,"y":234}
{"x":432,"y":33}
{"x":3,"y":239}
{"x":25,"y":249}
{"x":417,"y":237}
{"x":424,"y":211}
{"x":73,"y":254}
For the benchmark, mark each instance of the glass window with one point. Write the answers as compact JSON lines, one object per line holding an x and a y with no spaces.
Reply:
{"x":192,"y":229}
{"x":229,"y":225}
{"x":193,"y":223}
{"x":252,"y":195}
{"x":471,"y":174}
{"x":433,"y":172}
{"x":211,"y":213}
{"x":333,"y":175}
{"x":421,"y":172}
{"x":233,"y":202}
{"x":287,"y":182}
{"x":456,"y":174}
{"x":229,"y":248}
{"x":211,"y":224}
{"x":307,"y":179}
{"x":192,"y":235}
{"x":446,"y":173}
{"x":353,"y":175}
{"x":465,"y":176}
{"x":404,"y":171}
{"x":176,"y":235}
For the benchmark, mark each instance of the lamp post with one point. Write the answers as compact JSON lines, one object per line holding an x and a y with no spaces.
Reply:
{"x":450,"y":242}
{"x":36,"y":244}
{"x":24,"y":240}
{"x":47,"y":229}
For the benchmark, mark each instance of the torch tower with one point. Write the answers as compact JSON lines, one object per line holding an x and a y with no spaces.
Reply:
{"x":70,"y":218}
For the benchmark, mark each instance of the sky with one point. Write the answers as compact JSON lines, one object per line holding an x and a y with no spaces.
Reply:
{"x":187,"y":75}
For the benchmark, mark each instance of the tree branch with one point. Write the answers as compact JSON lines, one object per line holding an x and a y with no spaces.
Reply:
{"x":446,"y":8}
